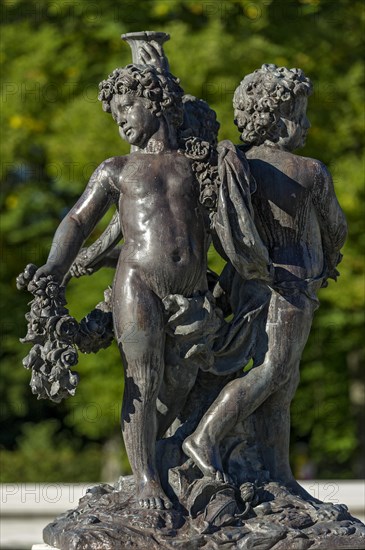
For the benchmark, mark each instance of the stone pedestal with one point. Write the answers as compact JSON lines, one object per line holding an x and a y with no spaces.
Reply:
{"x":208,"y":513}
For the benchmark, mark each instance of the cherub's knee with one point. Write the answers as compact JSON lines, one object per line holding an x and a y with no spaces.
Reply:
{"x":279,"y":366}
{"x":274,"y":374}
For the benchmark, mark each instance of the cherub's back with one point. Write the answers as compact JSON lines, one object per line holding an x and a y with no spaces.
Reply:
{"x":284,"y":212}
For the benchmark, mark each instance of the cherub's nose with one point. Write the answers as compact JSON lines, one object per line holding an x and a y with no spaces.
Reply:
{"x":121,"y":120}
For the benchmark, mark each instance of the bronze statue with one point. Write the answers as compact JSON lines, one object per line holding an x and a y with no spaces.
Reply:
{"x":220,"y":468}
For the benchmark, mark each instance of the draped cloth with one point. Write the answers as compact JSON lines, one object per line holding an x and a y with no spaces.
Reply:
{"x":247,"y":274}
{"x":234,"y":223}
{"x":237,"y":339}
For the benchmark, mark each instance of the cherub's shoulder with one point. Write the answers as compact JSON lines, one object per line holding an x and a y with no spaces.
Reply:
{"x":113,"y":163}
{"x":314,"y":166}
{"x":108,"y":174}
{"x":318,"y":175}
{"x":312,"y":173}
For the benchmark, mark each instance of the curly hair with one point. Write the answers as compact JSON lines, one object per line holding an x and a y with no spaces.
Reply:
{"x":161,"y":89}
{"x":261,"y":98}
{"x":199,"y":120}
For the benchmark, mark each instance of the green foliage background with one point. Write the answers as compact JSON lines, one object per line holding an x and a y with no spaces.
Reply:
{"x":54,"y":133}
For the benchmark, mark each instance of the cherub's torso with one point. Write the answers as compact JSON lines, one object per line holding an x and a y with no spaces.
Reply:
{"x":162,"y":221}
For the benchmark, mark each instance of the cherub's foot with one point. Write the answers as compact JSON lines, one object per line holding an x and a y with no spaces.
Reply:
{"x":206,"y":457}
{"x":152,"y":496}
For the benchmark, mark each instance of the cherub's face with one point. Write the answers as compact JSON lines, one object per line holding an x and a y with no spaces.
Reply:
{"x":295,"y":126}
{"x":137,"y":124}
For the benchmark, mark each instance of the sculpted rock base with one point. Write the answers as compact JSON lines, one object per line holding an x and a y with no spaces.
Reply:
{"x":210,"y":516}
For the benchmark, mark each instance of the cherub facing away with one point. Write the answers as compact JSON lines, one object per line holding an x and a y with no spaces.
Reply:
{"x":299,"y":220}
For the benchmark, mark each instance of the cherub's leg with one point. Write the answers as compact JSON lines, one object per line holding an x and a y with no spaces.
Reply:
{"x":238,"y":399}
{"x":139,"y":329}
{"x":272,"y":419}
{"x":179,"y":378}
{"x":272,"y":428}
{"x":241,"y":397}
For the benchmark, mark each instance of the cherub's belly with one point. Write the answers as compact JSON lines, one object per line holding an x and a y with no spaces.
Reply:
{"x":165,"y":269}
{"x":165,"y":242}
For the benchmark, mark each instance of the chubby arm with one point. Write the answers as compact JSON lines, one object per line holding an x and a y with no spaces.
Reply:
{"x":102,"y":253}
{"x":331,"y":218}
{"x":79,"y":222}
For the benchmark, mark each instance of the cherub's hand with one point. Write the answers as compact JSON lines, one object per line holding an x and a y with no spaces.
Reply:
{"x":152,"y":54}
{"x":26,"y":276}
{"x":79,"y":270}
{"x":46,"y":270}
{"x":79,"y":267}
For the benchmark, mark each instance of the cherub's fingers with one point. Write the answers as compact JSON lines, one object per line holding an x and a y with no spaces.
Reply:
{"x":148,"y":53}
{"x":158,"y":48}
{"x":74,"y":271}
{"x":152,"y":55}
{"x":145,"y":56}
